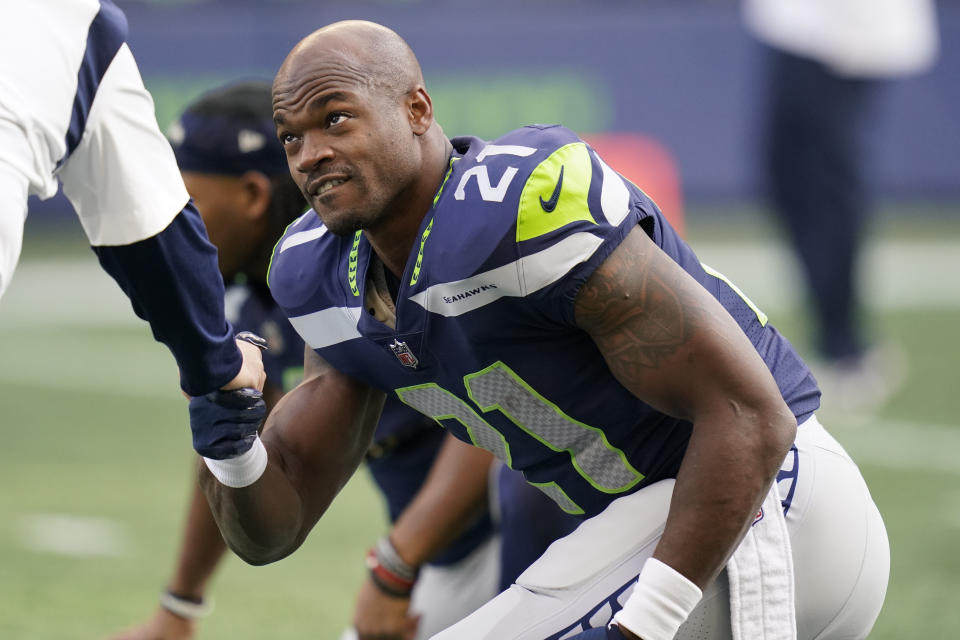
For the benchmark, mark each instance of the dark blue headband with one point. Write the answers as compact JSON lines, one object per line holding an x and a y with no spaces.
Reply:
{"x":226,"y":145}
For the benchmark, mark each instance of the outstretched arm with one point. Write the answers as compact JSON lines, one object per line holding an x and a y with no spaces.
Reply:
{"x":173,"y":283}
{"x":671,"y":343}
{"x":315,"y":438}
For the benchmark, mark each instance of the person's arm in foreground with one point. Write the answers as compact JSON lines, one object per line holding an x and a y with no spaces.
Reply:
{"x":314,"y":439}
{"x":670,"y":342}
{"x":454,"y":492}
{"x":173,"y":282}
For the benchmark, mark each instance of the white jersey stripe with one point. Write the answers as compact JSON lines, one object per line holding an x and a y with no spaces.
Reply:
{"x":522,"y":277}
{"x":328,"y":327}
{"x":614,"y":195}
{"x":302,"y":237}
{"x":505,"y":149}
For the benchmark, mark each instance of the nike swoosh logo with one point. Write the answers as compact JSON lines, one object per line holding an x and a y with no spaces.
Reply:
{"x":551,"y":204}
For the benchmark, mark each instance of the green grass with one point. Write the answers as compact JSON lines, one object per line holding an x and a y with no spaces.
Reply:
{"x":921,"y":508}
{"x":93,"y":426}
{"x":75,"y":446}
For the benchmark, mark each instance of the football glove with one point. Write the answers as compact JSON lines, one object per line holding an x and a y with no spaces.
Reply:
{"x":225,"y":423}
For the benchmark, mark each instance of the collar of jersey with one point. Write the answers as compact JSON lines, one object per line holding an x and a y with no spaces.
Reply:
{"x":364,"y":254}
{"x":415,"y":273}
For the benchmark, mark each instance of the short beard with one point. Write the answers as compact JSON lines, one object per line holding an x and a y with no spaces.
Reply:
{"x":348,"y":225}
{"x":344,"y":228}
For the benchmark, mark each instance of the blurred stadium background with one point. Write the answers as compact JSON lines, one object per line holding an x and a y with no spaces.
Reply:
{"x":95,"y":461}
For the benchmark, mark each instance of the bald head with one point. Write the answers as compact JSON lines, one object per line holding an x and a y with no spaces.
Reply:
{"x":363,"y":53}
{"x":357,"y":128}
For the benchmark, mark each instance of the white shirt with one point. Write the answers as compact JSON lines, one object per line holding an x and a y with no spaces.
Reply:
{"x":122,"y":177}
{"x":857,"y":38}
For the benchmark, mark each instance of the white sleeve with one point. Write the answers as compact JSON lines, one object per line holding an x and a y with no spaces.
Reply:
{"x":13,"y":205}
{"x":122,"y":179}
{"x":856,"y":38}
{"x":41,"y":47}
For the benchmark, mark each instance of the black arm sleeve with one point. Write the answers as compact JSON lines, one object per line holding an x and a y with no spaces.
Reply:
{"x":173,"y":282}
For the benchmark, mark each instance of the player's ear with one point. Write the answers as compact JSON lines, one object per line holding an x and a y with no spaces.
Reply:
{"x":420,"y":109}
{"x":256,"y":194}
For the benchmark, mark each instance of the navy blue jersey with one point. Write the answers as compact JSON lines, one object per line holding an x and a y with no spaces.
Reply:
{"x":529,"y":523}
{"x":405,"y":443}
{"x":485,"y":339}
{"x":249,"y":307}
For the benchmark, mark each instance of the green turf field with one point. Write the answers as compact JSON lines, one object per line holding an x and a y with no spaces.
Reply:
{"x":95,"y":461}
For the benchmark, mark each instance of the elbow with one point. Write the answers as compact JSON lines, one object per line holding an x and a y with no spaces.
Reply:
{"x":263,"y":539}
{"x":260,"y":558}
{"x":259,"y":555}
{"x":255,"y":559}
{"x":781,"y":434}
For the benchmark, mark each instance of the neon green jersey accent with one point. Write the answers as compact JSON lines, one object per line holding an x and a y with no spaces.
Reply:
{"x":445,"y":178}
{"x":419,"y":264}
{"x":352,"y":265}
{"x":605,"y":467}
{"x":558,"y":495}
{"x":499,"y":388}
{"x":761,"y":316}
{"x":556,"y":192}
{"x":434,"y":401}
{"x":415,"y":276}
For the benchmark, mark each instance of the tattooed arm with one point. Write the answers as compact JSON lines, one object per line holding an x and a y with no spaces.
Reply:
{"x":673,"y":345}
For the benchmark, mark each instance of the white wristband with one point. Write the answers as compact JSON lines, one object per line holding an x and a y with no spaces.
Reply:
{"x":186,"y":609}
{"x":661,"y":601}
{"x":241,"y":471}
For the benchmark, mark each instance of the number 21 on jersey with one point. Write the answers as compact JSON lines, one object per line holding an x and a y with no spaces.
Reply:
{"x":498,"y":388}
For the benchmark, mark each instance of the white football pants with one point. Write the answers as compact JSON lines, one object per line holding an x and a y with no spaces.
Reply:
{"x":841,"y":560}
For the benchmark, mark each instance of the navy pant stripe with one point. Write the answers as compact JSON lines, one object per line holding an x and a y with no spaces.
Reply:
{"x":107,"y":32}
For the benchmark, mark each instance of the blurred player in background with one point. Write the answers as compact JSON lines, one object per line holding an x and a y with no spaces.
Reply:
{"x":827,"y":63}
{"x":73,"y":110}
{"x":542,"y":308}
{"x":236,"y":172}
{"x":233,"y":171}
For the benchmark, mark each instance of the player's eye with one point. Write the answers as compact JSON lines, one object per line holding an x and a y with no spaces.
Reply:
{"x":336,"y":117}
{"x":286,"y":138}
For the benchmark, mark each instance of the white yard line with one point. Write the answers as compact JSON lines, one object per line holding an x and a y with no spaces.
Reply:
{"x":71,"y":535}
{"x":63,"y":294}
{"x":113,"y":385}
{"x":898,"y":274}
{"x":901,"y":445}
{"x":902,"y":274}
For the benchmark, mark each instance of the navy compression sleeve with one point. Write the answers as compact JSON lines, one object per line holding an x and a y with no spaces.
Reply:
{"x":173,"y":282}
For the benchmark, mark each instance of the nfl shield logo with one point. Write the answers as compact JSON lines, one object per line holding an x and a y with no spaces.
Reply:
{"x":403,"y":353}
